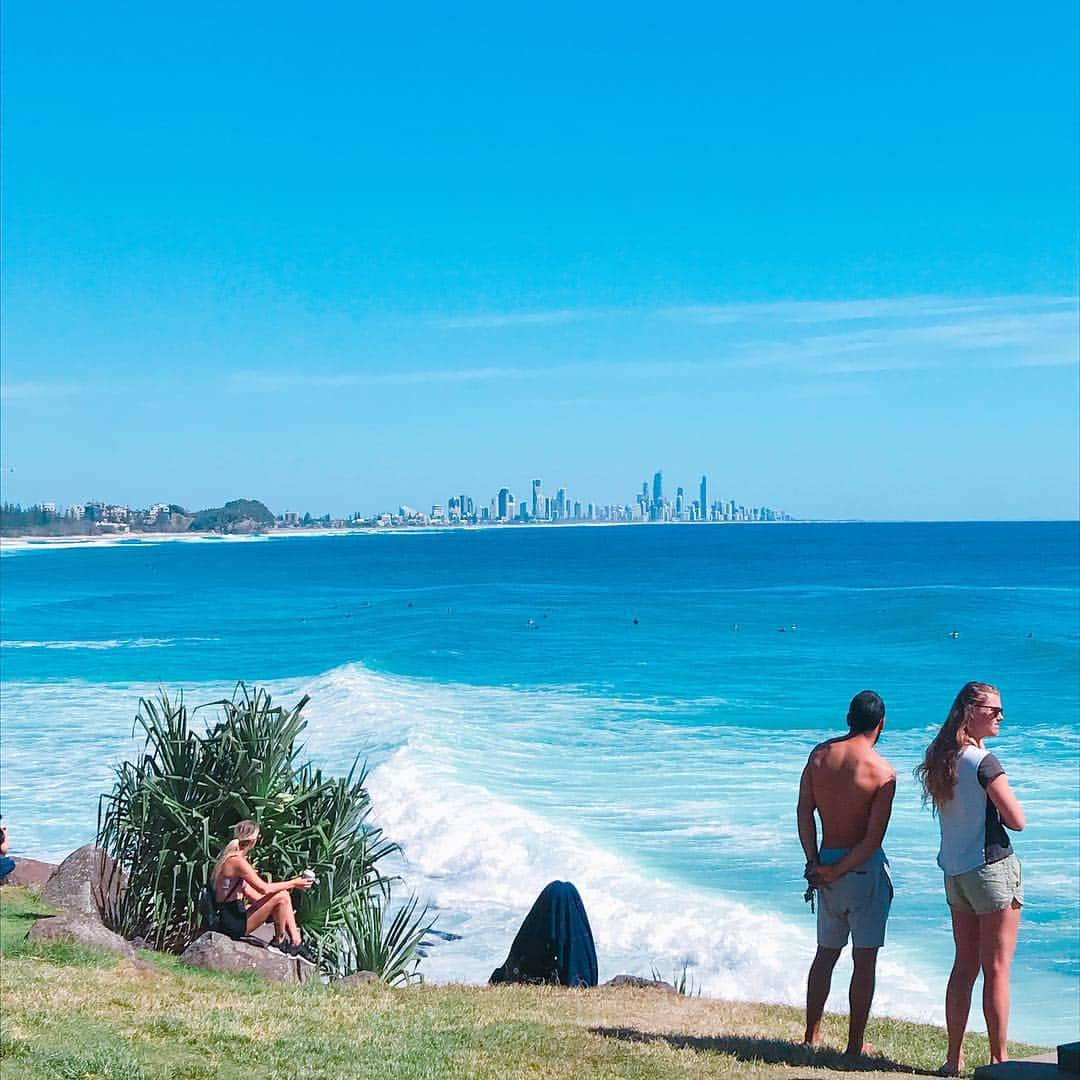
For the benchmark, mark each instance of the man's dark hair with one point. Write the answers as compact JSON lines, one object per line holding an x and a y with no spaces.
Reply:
{"x":865,"y":712}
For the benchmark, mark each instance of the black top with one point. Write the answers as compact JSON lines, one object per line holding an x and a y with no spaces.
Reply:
{"x":996,"y":844}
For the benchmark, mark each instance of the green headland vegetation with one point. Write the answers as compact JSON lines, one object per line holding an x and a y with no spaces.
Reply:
{"x":236,"y":516}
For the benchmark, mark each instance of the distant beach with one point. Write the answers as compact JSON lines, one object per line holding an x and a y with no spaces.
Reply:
{"x":20,"y":543}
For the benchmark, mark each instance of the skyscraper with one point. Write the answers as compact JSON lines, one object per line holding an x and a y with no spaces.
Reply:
{"x":505,"y":506}
{"x":703,"y":498}
{"x":537,"y":497}
{"x":658,"y":489}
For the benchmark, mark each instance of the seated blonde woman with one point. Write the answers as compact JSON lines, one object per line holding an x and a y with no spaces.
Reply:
{"x":245,"y":901}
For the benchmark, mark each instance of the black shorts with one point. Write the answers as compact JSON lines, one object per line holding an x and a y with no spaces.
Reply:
{"x":232,"y":919}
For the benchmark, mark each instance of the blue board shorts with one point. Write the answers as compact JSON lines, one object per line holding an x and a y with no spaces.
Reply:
{"x":856,"y":904}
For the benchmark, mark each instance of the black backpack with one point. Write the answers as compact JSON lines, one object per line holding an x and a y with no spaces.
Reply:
{"x":208,"y":908}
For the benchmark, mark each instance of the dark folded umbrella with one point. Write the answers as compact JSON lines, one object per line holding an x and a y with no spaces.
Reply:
{"x":554,"y":944}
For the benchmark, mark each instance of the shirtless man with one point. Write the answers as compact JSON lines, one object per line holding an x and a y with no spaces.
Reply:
{"x":851,"y":786}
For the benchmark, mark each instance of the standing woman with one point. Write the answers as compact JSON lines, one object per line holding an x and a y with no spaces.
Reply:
{"x":974,"y":805}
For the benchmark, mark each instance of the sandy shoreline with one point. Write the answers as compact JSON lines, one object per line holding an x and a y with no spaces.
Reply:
{"x":43,"y":543}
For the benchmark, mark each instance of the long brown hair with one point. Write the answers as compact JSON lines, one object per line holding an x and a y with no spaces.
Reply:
{"x":937,"y":772}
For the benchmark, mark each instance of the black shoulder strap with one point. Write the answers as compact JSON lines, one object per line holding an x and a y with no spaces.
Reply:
{"x":232,"y":891}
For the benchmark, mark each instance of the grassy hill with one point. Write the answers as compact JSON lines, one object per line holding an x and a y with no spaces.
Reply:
{"x":73,"y":1012}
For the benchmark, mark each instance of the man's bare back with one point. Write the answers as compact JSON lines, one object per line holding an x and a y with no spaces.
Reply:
{"x":850,"y":786}
{"x":844,"y":775}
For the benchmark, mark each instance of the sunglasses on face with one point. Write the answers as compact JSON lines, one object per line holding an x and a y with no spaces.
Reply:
{"x":996,"y":711}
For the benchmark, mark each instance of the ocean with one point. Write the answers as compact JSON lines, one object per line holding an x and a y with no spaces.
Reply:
{"x":627,"y":708}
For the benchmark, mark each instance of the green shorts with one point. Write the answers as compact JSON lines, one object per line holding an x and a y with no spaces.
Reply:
{"x":988,"y":888}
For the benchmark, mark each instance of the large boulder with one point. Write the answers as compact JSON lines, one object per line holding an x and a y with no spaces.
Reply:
{"x":639,"y":983}
{"x":29,"y":873}
{"x":82,"y":929}
{"x":87,"y":882}
{"x":216,"y":952}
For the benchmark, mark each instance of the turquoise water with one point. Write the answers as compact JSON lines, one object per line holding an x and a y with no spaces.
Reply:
{"x":521,"y":726}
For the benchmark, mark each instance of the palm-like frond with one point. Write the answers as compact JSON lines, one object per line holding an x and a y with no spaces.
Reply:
{"x":172,"y":809}
{"x":370,"y":941}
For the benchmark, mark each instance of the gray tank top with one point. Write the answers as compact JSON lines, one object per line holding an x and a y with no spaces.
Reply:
{"x":972,"y":834}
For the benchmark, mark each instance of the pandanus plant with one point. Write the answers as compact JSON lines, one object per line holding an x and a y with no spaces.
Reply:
{"x":172,"y":809}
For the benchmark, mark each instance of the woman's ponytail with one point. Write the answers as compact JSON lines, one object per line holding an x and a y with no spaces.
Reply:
{"x":245,"y":831}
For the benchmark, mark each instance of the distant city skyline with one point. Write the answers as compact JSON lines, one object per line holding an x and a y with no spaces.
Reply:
{"x":828,"y":255}
{"x":652,"y":505}
{"x":562,"y":506}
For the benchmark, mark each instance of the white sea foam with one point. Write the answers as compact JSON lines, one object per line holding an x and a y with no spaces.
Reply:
{"x":482,"y":861}
{"x":21,"y":544}
{"x":493,"y":792}
{"x":112,"y":643}
{"x":481,"y":858}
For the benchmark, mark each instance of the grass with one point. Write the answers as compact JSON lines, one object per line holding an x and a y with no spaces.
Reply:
{"x":70,"y":1012}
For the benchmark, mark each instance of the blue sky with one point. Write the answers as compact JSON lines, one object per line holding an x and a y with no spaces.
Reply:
{"x":344,"y":258}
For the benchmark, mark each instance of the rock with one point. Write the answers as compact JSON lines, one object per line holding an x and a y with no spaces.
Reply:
{"x":358,"y":978}
{"x":1042,"y":1067}
{"x":82,"y":929}
{"x":30,"y":874}
{"x":216,"y":952}
{"x":87,"y":882}
{"x":1069,"y":1057}
{"x":641,"y":984}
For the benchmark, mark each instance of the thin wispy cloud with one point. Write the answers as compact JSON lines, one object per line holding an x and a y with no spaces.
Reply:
{"x":832,"y":340}
{"x":999,"y":333}
{"x":841,"y":311}
{"x":284,"y":380}
{"x":273,"y":380}
{"x":30,"y":391}
{"x":497,"y":321}
{"x":1063,"y":359}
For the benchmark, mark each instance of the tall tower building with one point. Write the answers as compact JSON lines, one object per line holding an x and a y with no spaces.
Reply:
{"x":703,"y":498}
{"x":505,"y":504}
{"x":658,"y":489}
{"x":537,"y":498}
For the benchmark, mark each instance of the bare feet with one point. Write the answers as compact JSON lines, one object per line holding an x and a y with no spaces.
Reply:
{"x":868,"y":1050}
